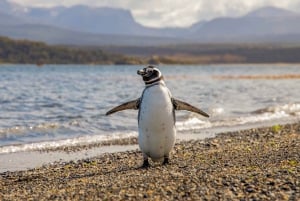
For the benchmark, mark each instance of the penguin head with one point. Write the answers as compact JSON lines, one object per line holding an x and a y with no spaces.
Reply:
{"x":150,"y":74}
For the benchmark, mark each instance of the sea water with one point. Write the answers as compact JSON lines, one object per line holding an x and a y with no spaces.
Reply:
{"x":62,"y":105}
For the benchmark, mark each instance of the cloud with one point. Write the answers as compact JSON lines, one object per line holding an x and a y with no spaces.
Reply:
{"x":172,"y":13}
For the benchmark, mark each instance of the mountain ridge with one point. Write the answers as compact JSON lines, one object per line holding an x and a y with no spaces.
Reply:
{"x":271,"y":11}
{"x":84,"y":25}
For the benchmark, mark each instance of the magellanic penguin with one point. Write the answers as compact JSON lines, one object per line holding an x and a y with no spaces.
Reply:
{"x":156,"y":117}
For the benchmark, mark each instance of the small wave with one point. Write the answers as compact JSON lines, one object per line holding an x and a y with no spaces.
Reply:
{"x":192,"y":124}
{"x":22,"y":130}
{"x":88,"y":139}
{"x":263,"y":115}
{"x":289,"y":109}
{"x":17,"y":131}
{"x":68,"y":117}
{"x":52,"y":105}
{"x":216,"y":111}
{"x":5,"y":101}
{"x":185,"y":77}
{"x":255,"y":77}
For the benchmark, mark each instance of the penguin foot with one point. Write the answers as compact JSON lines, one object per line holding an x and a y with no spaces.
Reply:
{"x":166,"y":161}
{"x":146,"y":164}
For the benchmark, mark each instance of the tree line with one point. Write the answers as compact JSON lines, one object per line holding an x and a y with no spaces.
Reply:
{"x":29,"y":52}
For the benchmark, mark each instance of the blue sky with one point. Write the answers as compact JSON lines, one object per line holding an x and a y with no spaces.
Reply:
{"x":180,"y":13}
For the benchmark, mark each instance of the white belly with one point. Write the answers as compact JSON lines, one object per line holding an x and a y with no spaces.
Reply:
{"x":157,"y":130}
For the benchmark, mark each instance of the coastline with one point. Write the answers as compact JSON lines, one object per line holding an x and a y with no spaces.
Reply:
{"x":258,"y":163}
{"x":15,"y":158}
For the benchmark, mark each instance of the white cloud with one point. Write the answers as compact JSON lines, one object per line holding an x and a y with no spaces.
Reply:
{"x":173,"y":12}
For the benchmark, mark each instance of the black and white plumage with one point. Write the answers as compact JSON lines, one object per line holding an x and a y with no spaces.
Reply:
{"x":156,"y":118}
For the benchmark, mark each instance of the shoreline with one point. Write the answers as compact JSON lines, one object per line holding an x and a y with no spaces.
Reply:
{"x":23,"y":160}
{"x":258,"y":163}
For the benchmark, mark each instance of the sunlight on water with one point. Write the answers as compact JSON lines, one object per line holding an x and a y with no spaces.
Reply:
{"x":62,"y":105}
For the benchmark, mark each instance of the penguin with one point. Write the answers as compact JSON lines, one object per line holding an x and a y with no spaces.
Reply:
{"x":156,"y":116}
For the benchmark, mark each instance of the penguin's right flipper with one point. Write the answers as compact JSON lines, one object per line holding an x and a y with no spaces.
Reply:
{"x":135,"y":104}
{"x":181,"y":105}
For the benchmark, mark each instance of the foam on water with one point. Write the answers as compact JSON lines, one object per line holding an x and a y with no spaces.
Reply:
{"x":59,"y":105}
{"x":193,"y":122}
{"x":65,"y":142}
{"x":20,"y":130}
{"x":285,"y":112}
{"x":288,"y":109}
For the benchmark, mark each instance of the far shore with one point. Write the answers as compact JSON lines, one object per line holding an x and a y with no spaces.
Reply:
{"x":159,"y":63}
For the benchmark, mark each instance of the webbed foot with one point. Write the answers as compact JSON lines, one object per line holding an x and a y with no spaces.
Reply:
{"x":146,"y":164}
{"x":166,"y":161}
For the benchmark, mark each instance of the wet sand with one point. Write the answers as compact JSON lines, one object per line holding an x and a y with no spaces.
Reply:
{"x":253,"y":164}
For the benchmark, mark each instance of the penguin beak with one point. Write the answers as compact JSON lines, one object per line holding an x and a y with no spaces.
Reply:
{"x":141,"y":72}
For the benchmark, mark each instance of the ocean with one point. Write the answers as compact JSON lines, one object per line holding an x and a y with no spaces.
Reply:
{"x":62,"y":105}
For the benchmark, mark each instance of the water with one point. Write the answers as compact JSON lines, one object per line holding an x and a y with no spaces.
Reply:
{"x":59,"y":105}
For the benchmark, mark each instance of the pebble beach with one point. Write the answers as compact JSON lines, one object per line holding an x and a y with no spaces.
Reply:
{"x":253,"y":164}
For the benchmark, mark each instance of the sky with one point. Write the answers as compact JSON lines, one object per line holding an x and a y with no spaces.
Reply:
{"x":172,"y":13}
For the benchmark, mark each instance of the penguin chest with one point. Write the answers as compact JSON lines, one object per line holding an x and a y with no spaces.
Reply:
{"x":156,"y":122}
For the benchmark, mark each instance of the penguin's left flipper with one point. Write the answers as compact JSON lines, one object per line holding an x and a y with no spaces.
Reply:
{"x":135,"y":104}
{"x":180,"y":105}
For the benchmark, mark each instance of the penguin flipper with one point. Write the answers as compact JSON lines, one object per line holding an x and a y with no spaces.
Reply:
{"x":135,"y":104}
{"x":180,"y":105}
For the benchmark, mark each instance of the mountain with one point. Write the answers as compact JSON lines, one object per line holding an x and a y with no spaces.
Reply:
{"x":96,"y":20}
{"x":270,"y":11}
{"x":103,"y":20}
{"x":92,"y":20}
{"x":265,"y":23}
{"x":5,"y":5}
{"x":55,"y":35}
{"x":79,"y":25}
{"x":7,"y":19}
{"x":84,"y":25}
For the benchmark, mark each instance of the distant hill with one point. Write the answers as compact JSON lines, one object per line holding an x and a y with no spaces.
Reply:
{"x":10,"y":20}
{"x":101,"y":26}
{"x":92,"y":20}
{"x":265,"y":24}
{"x":28,"y":52}
{"x":97,"y":20}
{"x":271,"y":12}
{"x":5,"y":5}
{"x":18,"y":29}
{"x":60,"y":25}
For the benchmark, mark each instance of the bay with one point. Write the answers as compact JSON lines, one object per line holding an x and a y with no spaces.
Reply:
{"x":59,"y":105}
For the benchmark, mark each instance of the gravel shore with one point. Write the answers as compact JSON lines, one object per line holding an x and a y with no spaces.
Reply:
{"x":254,"y":164}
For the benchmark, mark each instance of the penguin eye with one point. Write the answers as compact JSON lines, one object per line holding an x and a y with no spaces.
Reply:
{"x":149,"y":71}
